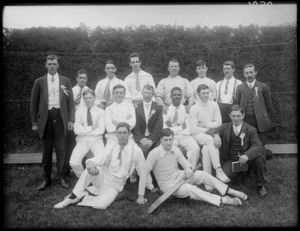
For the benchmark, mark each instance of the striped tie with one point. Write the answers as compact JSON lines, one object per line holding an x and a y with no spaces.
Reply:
{"x":137,"y":83}
{"x":226,"y":87}
{"x":175,"y":118}
{"x":107,"y":94}
{"x":78,"y":97}
{"x":89,"y":117}
{"x":120,"y":155}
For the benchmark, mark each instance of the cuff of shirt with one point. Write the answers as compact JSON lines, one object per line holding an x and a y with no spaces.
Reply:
{"x":150,"y":186}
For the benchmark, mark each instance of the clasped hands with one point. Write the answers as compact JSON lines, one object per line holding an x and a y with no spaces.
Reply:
{"x":146,"y":142}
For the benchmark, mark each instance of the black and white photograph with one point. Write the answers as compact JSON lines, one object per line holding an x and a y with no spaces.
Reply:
{"x":147,"y":115}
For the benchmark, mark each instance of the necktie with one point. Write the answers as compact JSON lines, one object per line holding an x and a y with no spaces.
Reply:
{"x":106,"y":94}
{"x":52,"y":78}
{"x":78,"y":97}
{"x":89,"y":117}
{"x":250,"y":85}
{"x":226,"y":86}
{"x":120,"y":155}
{"x":175,"y":118}
{"x":137,"y":83}
{"x":235,"y":130}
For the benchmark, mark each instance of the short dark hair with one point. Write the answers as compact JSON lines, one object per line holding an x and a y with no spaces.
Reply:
{"x":119,"y":86}
{"x":174,"y":61}
{"x":134,"y":55}
{"x":149,"y":87}
{"x":81,"y":71}
{"x":249,"y":65}
{"x":236,"y":107}
{"x":229,"y":63}
{"x":176,"y":88}
{"x":123,"y":124}
{"x":166,"y":132}
{"x":88,"y":91}
{"x":201,"y":87}
{"x":200,"y":63}
{"x":51,"y":57}
{"x":110,"y":61}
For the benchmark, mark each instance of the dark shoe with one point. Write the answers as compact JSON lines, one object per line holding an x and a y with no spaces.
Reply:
{"x":64,"y":183}
{"x":262,"y":191}
{"x":269,"y":154}
{"x":43,"y":185}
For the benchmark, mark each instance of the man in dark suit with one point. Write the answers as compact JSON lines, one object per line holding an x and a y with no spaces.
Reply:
{"x":255,"y":99}
{"x":149,"y":122}
{"x":52,"y":113}
{"x":238,"y":141}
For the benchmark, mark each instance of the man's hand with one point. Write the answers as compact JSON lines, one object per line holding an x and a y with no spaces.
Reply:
{"x":93,"y":171}
{"x":217,"y":141}
{"x":141,"y":200}
{"x":188,"y":173}
{"x":101,"y":105}
{"x":148,"y":143}
{"x":169,"y":124}
{"x":183,"y":125}
{"x":154,"y":190}
{"x":143,"y":141}
{"x":165,"y":109}
{"x":70,"y":126}
{"x":135,"y":105}
{"x":243,"y":159}
{"x":95,"y":125}
{"x":202,"y":124}
{"x":35,"y":129}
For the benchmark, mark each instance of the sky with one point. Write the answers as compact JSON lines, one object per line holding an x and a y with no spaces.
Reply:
{"x":233,"y":15}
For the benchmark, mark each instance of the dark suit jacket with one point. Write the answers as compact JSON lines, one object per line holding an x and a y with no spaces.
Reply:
{"x":252,"y":146}
{"x":262,"y":105}
{"x":155,"y":123}
{"x":39,"y":103}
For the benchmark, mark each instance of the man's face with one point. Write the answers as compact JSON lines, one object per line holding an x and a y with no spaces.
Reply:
{"x":110,"y":70}
{"x":250,"y":74}
{"x":176,"y":97}
{"x":89,"y":100}
{"x":119,"y":94}
{"x":201,"y":70}
{"x":236,"y":117}
{"x":167,"y":142}
{"x":173,"y":68}
{"x":147,"y":95}
{"x":81,"y":80}
{"x":122,"y":135}
{"x":228,"y":70}
{"x":52,"y":66}
{"x":204,"y":95}
{"x":135,"y":63}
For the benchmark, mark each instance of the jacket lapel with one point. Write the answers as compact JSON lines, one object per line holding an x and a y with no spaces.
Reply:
{"x":60,"y":90}
{"x":45,"y":86}
{"x":227,"y":134}
{"x":141,"y":111}
{"x":153,"y":107}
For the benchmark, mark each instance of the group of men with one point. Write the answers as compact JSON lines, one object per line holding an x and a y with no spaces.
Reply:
{"x":133,"y":127}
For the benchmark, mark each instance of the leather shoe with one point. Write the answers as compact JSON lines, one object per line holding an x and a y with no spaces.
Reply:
{"x":262,"y":191}
{"x":64,"y":183}
{"x":43,"y":185}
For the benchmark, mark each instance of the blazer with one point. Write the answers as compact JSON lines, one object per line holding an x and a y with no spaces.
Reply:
{"x":252,"y":146}
{"x":262,"y":103}
{"x":155,"y":123}
{"x":39,"y":103}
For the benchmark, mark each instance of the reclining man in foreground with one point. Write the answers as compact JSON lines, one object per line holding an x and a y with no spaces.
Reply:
{"x":163,"y":160}
{"x":108,"y":175}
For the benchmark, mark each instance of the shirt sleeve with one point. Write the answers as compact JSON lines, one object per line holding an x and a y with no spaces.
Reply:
{"x":98,"y":93}
{"x":182,"y":160}
{"x":193,"y":121}
{"x":101,"y":124}
{"x":110,"y":127}
{"x":160,"y":89}
{"x":150,"y":162}
{"x":132,"y":120}
{"x":189,"y":88}
{"x":79,"y":128}
{"x":217,"y":119}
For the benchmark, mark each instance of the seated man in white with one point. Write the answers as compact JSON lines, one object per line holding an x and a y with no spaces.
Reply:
{"x":205,"y":115}
{"x":177,"y":120}
{"x":108,"y":174}
{"x":163,"y":161}
{"x":89,"y":127}
{"x":104,"y":87}
{"x":119,"y":111}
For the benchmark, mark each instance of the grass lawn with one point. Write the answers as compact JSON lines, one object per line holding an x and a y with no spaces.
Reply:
{"x":24,"y":207}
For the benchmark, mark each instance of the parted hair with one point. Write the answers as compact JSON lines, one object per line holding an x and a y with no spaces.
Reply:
{"x":249,"y":65}
{"x":176,"y":88}
{"x":166,"y":132}
{"x":149,"y":87}
{"x":123,"y":124}
{"x":81,"y":71}
{"x":133,"y":55}
{"x":236,"y":107}
{"x":88,"y":91}
{"x":230,"y":63}
{"x":200,"y":63}
{"x":201,"y":87}
{"x":52,"y":57}
{"x":119,"y":86}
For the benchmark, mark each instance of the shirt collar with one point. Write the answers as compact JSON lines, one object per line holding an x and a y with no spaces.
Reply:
{"x":252,"y":84}
{"x":203,"y":104}
{"x":230,"y":80}
{"x":55,"y":76}
{"x":238,"y":127}
{"x":145,"y":103}
{"x":163,"y":152}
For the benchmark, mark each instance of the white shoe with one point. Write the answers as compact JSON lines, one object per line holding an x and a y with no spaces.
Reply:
{"x":222,"y":176}
{"x":231,"y":201}
{"x":67,"y":201}
{"x":239,"y":194}
{"x":208,"y":188}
